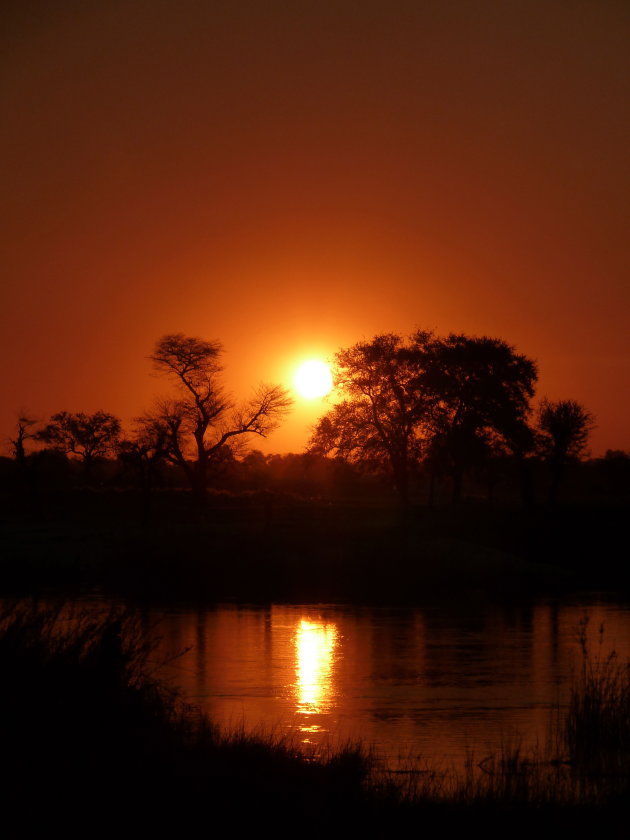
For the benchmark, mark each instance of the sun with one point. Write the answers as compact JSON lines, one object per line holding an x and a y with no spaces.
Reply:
{"x":313,"y":379}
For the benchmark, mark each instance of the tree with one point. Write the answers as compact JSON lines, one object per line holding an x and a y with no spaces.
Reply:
{"x":88,"y":436}
{"x":450,"y":400}
{"x":142,"y":453}
{"x":203,"y":424}
{"x":380,"y":421}
{"x":22,"y":433}
{"x":564,"y":428}
{"x":482,"y":389}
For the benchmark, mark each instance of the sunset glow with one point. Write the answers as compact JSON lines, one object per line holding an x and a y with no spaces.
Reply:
{"x":313,"y":379}
{"x":316,"y":355}
{"x":315,"y":645}
{"x":224,"y":196}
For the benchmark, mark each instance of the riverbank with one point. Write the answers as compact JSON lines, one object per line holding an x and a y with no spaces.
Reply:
{"x":91,"y":737}
{"x":262,"y":548}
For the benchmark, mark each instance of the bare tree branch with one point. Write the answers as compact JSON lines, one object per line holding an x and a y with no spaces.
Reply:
{"x":204,"y":421}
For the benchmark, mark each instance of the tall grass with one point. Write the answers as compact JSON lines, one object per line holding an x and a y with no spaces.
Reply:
{"x":85,"y":726}
{"x":596,"y":727}
{"x":586,"y":760}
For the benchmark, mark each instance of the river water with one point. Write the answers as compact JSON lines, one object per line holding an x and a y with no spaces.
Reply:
{"x":431,"y":684}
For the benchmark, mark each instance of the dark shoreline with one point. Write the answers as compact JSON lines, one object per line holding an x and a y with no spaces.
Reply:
{"x":244,"y":548}
{"x":255,"y":548}
{"x":88,"y":735}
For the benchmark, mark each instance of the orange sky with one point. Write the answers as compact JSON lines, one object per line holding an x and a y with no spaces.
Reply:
{"x":290,"y":178}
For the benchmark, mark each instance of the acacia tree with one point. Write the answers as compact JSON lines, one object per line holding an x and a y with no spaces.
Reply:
{"x":22,"y":432}
{"x":88,"y":436}
{"x":202,"y":424}
{"x":563,"y":431}
{"x":380,"y":421}
{"x":142,"y":453}
{"x":482,"y":389}
{"x":451,"y":400}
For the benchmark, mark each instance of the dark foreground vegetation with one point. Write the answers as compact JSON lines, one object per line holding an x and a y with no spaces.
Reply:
{"x":92,"y":741}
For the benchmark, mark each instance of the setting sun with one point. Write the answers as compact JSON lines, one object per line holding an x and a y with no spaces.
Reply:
{"x":313,"y":379}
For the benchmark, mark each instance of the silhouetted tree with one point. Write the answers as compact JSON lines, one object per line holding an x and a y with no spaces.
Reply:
{"x":482,"y":389}
{"x":380,"y":422}
{"x":22,"y":433}
{"x":452,"y":400}
{"x":143,"y":452}
{"x":563,"y":431}
{"x":521,"y":444}
{"x":87,"y":436}
{"x":203,"y":425}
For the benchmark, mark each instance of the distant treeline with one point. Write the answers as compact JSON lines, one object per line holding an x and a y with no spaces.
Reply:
{"x":311,"y":475}
{"x":427,"y":420}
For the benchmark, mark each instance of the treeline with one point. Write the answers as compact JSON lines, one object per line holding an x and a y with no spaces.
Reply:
{"x":305,"y":474}
{"x":311,"y":475}
{"x":458,"y":405}
{"x":427,"y":419}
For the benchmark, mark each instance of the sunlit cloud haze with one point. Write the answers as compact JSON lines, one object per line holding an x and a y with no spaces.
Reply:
{"x":291,"y":178}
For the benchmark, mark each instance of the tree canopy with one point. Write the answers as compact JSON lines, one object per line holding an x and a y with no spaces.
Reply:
{"x":385,"y":407}
{"x":201,"y":423}
{"x":88,"y":436}
{"x":563,"y":431}
{"x":482,"y":390}
{"x":403,"y":400}
{"x":22,"y":432}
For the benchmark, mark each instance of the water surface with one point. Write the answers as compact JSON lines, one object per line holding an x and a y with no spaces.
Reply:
{"x":432,"y":683}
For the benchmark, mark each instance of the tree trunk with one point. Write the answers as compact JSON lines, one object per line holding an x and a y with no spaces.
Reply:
{"x":458,"y":475}
{"x":527,"y":493}
{"x":88,"y":469}
{"x":401,"y":481}
{"x":200,"y":485}
{"x":432,"y":479}
{"x":556,"y":474}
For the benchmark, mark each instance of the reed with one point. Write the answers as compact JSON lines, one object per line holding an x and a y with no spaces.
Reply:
{"x":83,"y":717}
{"x":596,"y":727}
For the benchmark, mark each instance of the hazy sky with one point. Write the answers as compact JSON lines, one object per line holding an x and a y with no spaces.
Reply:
{"x":292,"y":177}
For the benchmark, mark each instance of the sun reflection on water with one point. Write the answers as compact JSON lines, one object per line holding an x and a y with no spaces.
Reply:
{"x":315,"y":644}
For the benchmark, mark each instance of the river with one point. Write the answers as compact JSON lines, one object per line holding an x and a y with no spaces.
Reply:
{"x":433,"y":684}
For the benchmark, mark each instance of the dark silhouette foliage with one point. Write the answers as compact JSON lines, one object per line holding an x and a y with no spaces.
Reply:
{"x":142,"y":454}
{"x":563,"y":431}
{"x":202,"y":426}
{"x":380,"y":422}
{"x":564,"y":428}
{"x":23,"y":432}
{"x":87,"y":436}
{"x":452,"y":402}
{"x":481,"y":391}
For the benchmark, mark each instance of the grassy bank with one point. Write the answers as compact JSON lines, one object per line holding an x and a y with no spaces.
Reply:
{"x":260,"y":548}
{"x":90,"y":737}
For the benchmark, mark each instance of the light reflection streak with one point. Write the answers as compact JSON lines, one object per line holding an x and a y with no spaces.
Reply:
{"x":315,"y":644}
